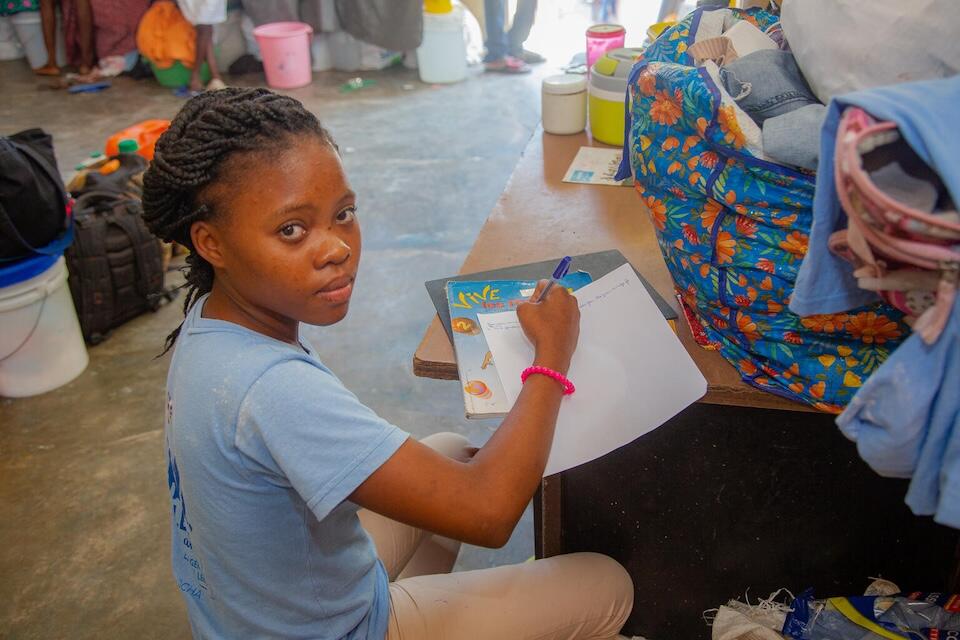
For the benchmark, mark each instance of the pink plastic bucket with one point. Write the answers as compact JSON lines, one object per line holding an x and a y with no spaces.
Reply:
{"x":285,"y":47}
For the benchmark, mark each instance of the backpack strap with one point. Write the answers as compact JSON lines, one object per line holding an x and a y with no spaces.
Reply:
{"x":123,"y":217}
{"x":91,"y":281}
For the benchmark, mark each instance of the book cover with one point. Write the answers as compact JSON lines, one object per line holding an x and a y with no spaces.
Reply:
{"x":597,"y":264}
{"x":483,"y":395}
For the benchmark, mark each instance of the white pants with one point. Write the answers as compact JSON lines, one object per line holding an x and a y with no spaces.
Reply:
{"x":580,"y":596}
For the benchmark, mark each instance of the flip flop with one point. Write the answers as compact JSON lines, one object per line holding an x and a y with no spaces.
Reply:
{"x":531,"y":57}
{"x":47,"y":70}
{"x":185,"y":92}
{"x":507,"y":64}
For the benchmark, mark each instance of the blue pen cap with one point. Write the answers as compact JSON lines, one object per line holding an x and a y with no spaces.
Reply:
{"x":562,"y":268}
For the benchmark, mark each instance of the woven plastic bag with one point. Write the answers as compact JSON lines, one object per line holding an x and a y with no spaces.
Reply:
{"x":733,"y":226}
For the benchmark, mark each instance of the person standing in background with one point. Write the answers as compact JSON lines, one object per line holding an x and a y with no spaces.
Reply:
{"x":505,"y":52}
{"x":77,"y":21}
{"x":203,"y":14}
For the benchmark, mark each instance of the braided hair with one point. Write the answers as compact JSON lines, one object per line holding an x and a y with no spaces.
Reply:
{"x":190,"y":155}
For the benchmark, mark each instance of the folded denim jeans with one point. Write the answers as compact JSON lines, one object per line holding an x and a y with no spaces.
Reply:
{"x":794,"y":138}
{"x":767,"y":83}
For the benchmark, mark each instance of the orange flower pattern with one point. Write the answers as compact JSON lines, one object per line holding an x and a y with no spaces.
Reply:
{"x":658,"y":212}
{"x":648,"y":82}
{"x":734,"y":230}
{"x":732,"y":133}
{"x":666,"y":109}
{"x":726,"y":247}
{"x":873,"y":328}
{"x":795,"y":243}
{"x":829,"y":323}
{"x":709,"y":214}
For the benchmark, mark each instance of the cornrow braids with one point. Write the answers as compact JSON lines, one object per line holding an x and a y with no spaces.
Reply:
{"x":208,"y":129}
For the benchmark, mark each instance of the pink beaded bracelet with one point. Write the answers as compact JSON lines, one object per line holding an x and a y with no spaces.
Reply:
{"x":568,"y":387}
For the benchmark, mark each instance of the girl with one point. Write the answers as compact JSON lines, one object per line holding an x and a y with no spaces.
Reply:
{"x":297,"y":511}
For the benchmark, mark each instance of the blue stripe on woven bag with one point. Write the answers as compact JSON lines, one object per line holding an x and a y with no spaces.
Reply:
{"x":625,"y":170}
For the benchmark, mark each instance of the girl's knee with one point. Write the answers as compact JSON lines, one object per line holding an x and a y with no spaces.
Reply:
{"x":611,"y":573}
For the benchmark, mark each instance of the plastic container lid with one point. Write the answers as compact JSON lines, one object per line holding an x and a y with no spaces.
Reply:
{"x":565,"y":84}
{"x":13,"y":272}
{"x":611,"y":70}
{"x":606,"y":31}
{"x":128,"y":145}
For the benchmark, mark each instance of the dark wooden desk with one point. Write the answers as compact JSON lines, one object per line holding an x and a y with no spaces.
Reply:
{"x":742,"y":490}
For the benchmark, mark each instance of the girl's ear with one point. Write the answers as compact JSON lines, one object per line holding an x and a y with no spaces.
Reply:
{"x":207,"y":243}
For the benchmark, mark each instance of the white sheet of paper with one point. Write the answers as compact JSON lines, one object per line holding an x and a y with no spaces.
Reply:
{"x":630,"y":370}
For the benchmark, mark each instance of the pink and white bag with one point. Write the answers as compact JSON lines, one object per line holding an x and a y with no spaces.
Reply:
{"x":909,"y":256}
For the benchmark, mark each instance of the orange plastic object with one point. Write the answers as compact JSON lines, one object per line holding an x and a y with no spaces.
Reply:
{"x":145,"y":133}
{"x":110,"y":167}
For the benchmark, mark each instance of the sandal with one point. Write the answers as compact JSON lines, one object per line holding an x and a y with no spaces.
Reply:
{"x":47,"y":70}
{"x":507,"y":64}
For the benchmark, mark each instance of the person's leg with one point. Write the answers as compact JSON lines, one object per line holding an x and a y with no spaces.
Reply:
{"x":216,"y":82}
{"x":581,"y":596}
{"x":522,"y":24}
{"x":407,"y":551}
{"x":48,"y":18}
{"x":496,"y":37}
{"x":204,"y":35}
{"x":85,"y":34}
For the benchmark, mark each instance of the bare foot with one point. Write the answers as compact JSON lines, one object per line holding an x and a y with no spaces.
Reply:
{"x":84,"y":70}
{"x":47,"y":70}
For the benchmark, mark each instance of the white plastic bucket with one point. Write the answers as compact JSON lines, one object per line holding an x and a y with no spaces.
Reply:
{"x":41,"y":347}
{"x":29,"y":32}
{"x":10,"y":48}
{"x":442,"y":55}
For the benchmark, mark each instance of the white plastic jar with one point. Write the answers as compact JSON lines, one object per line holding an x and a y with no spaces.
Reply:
{"x":564,"y":104}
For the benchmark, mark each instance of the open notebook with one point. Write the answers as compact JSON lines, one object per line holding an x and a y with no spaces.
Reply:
{"x":631,"y":372}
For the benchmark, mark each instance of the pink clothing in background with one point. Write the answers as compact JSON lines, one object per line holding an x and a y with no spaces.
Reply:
{"x":115,"y":25}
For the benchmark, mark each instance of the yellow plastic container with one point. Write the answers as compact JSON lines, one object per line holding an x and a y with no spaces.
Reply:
{"x":608,"y":88}
{"x":654,"y":30}
{"x":437,"y":6}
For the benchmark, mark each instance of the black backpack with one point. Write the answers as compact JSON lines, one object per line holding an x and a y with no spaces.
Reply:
{"x":33,"y":202}
{"x":115,"y":263}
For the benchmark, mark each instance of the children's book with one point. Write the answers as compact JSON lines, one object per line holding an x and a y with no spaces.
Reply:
{"x":597,"y":264}
{"x":483,"y":395}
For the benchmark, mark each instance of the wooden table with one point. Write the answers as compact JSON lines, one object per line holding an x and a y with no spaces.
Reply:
{"x":539,"y":217}
{"x":742,"y":490}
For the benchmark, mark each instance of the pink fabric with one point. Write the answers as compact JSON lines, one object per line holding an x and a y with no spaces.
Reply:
{"x":115,"y":25}
{"x":889,"y":241}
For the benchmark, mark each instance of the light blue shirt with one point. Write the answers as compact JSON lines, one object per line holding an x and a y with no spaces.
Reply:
{"x":264,"y":445}
{"x":905,"y":421}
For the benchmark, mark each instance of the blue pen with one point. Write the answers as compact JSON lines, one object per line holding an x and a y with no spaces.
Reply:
{"x":558,"y":273}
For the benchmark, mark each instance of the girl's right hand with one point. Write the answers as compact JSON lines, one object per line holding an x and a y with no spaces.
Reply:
{"x":552,"y":325}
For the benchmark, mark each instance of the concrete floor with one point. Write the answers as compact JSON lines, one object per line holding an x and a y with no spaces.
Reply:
{"x":83,"y":497}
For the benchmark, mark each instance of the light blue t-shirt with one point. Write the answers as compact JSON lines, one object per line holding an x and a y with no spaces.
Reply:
{"x":264,"y":445}
{"x":906,"y":421}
